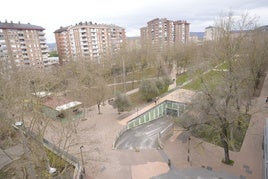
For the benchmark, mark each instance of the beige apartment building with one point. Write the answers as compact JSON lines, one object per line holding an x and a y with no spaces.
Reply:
{"x":161,"y":33}
{"x":89,"y":41}
{"x":22,"y":45}
{"x":212,"y":33}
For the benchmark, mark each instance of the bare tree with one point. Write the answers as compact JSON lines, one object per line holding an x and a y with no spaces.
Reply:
{"x":222,"y":100}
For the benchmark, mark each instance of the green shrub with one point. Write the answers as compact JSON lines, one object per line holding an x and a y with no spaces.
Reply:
{"x":148,"y":89}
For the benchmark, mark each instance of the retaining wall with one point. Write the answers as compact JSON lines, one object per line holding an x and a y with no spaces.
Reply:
{"x":156,"y":112}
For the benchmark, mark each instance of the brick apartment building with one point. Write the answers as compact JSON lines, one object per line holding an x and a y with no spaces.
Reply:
{"x":88,"y":41}
{"x":22,"y":45}
{"x":161,"y":33}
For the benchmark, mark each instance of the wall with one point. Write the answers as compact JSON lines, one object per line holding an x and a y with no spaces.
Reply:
{"x":160,"y":110}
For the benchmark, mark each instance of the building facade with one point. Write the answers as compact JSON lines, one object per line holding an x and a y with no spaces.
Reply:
{"x":88,"y":41}
{"x":22,"y":45}
{"x":161,"y":33}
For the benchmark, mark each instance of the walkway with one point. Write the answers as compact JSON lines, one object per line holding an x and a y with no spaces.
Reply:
{"x":9,"y":155}
{"x":248,"y":163}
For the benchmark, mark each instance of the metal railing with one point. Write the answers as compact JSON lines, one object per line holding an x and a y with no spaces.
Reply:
{"x":265,"y":151}
{"x":59,"y":152}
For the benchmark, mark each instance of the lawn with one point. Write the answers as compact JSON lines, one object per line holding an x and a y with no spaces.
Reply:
{"x":136,"y":100}
{"x":211,"y":78}
{"x":182,"y":78}
{"x":209,"y":134}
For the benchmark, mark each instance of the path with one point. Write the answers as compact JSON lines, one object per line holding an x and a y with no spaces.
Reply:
{"x":248,"y":163}
{"x":9,"y":155}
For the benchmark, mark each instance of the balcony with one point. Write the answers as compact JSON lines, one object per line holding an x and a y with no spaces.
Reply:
{"x":93,"y":30}
{"x":44,"y":51}
{"x":26,"y":61}
{"x":41,"y":33}
{"x":23,"y":46}
{"x":41,"y":38}
{"x":83,"y":30}
{"x":44,"y":47}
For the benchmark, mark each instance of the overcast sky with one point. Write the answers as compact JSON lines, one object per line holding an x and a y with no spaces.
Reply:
{"x":129,"y":14}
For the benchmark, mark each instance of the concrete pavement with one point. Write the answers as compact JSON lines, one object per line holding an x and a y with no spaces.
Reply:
{"x":144,"y":136}
{"x":9,"y":155}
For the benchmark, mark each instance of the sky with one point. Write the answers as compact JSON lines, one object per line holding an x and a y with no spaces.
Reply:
{"x":129,"y":14}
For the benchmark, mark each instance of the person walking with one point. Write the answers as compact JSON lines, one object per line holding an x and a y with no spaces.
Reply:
{"x":169,"y":163}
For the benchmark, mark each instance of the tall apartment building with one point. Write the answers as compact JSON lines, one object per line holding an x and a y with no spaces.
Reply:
{"x":88,"y":41}
{"x":22,"y":45}
{"x":211,"y":33}
{"x":161,"y":33}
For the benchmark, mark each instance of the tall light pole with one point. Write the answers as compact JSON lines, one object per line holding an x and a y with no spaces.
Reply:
{"x":82,"y":159}
{"x":124,"y":74}
{"x":188,"y":156}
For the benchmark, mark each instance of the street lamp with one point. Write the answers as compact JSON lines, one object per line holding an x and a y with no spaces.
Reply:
{"x":83,"y":169}
{"x":124,"y":74}
{"x":188,"y":157}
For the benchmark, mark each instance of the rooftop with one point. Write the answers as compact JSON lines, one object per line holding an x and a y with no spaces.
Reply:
{"x":68,"y":106}
{"x":42,"y":94}
{"x":87,"y":24}
{"x":19,"y":26}
{"x":55,"y":101}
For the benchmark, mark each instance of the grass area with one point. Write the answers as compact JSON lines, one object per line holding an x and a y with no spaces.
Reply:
{"x":236,"y":133}
{"x":137,"y":75}
{"x":182,"y":78}
{"x":136,"y":100}
{"x":57,"y":162}
{"x":230,"y":162}
{"x":211,"y":78}
{"x":223,"y":66}
{"x":36,"y":163}
{"x":8,"y":135}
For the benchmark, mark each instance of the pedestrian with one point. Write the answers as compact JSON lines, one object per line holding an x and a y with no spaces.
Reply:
{"x":266,"y":100}
{"x":169,"y":163}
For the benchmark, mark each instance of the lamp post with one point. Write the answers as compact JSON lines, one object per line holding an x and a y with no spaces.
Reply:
{"x":188,"y":156}
{"x":81,"y":152}
{"x":124,"y":75}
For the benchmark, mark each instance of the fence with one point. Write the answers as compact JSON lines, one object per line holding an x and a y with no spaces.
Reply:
{"x":164,"y":134}
{"x":59,"y":152}
{"x":122,"y":130}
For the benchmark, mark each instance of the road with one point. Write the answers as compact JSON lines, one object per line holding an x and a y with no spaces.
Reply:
{"x":143,"y":136}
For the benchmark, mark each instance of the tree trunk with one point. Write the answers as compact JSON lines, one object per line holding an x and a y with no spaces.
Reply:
{"x":223,"y":136}
{"x":98,"y":104}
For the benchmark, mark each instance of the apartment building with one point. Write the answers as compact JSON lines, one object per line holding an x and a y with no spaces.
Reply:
{"x":89,"y":41}
{"x":22,"y":45}
{"x":161,"y":33}
{"x":211,"y":33}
